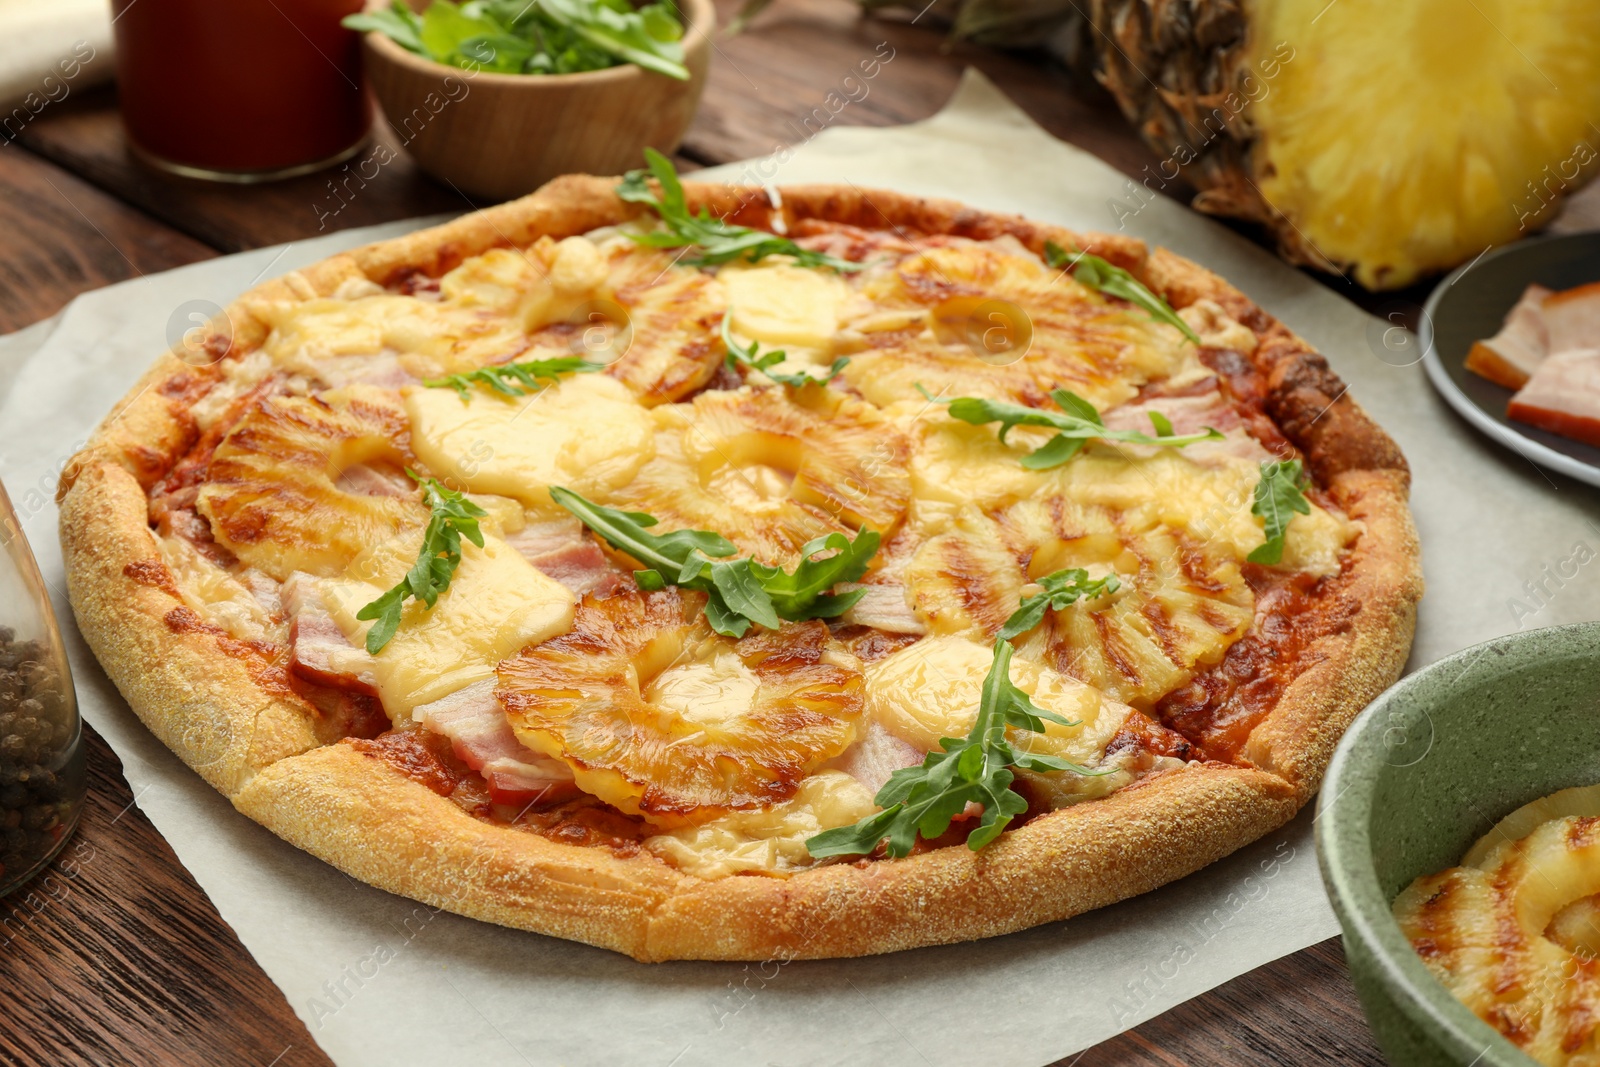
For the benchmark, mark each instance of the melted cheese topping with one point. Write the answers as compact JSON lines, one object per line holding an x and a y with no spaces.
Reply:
{"x":496,"y":604}
{"x":771,"y":841}
{"x":966,"y":528}
{"x":587,"y":434}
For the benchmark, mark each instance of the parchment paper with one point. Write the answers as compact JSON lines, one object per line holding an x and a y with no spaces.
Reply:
{"x":382,"y":981}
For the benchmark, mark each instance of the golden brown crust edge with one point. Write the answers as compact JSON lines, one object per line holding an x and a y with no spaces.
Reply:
{"x":364,"y":817}
{"x":1051,"y":868}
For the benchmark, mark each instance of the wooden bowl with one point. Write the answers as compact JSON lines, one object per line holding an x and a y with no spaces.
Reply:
{"x":498,"y":136}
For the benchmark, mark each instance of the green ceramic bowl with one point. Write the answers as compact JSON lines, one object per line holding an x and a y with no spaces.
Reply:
{"x":1422,"y":774}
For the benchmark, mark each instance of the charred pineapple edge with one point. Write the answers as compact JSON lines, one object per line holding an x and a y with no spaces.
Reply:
{"x":263,"y":750}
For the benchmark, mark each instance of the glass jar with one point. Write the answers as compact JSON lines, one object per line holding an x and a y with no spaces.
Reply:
{"x":240,"y":90}
{"x":42,"y":778}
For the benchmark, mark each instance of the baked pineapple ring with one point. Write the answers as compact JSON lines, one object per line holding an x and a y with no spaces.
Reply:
{"x":1514,"y":932}
{"x":306,"y":483}
{"x":660,"y":717}
{"x":770,"y":472}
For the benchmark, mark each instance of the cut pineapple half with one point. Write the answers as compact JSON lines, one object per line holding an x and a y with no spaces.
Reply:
{"x":770,"y":473}
{"x":1402,"y":139}
{"x":305,"y":483}
{"x":661,"y":718}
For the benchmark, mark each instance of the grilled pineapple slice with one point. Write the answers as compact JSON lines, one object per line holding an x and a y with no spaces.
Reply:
{"x":770,"y":473}
{"x":1165,"y":623}
{"x":660,"y":717}
{"x":965,"y":580}
{"x":282,"y":491}
{"x":1079,"y":339}
{"x":1502,"y":933}
{"x":429,"y":338}
{"x":930,"y":690}
{"x":672,"y":314}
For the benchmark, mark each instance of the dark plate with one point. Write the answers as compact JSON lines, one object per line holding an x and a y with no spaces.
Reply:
{"x":1471,"y":305}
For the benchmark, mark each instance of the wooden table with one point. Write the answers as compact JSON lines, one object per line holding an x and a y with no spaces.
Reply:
{"x":119,"y":957}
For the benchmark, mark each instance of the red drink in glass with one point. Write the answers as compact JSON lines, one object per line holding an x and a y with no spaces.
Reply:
{"x":241,"y":90}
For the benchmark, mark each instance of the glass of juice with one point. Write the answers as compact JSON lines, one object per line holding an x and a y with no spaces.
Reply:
{"x":240,"y":90}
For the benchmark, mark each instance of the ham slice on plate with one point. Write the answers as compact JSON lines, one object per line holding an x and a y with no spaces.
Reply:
{"x":476,"y":725}
{"x":1563,"y":396}
{"x":320,"y":652}
{"x":1511,"y":356}
{"x":1572,"y":317}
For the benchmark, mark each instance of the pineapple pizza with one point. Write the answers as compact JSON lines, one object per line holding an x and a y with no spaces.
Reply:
{"x":723,"y":573}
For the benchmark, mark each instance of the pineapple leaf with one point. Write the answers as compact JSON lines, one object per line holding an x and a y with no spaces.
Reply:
{"x":1278,"y":497}
{"x":513,"y":379}
{"x":1095,"y":273}
{"x":1057,"y":591}
{"x":451,"y":516}
{"x":738,"y":591}
{"x":764,"y":362}
{"x":719,"y":241}
{"x":1077,"y":422}
{"x":923,"y":801}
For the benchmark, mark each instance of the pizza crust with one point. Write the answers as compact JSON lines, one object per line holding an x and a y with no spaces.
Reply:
{"x":268,"y":750}
{"x":377,"y":825}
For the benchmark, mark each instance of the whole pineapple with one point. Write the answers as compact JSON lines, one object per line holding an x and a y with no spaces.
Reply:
{"x":1387,"y":140}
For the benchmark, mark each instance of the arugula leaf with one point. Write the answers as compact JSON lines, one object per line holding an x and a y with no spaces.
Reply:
{"x":720,"y":241}
{"x":1078,"y":422}
{"x":739,"y":591}
{"x":1097,"y":274}
{"x":398,"y":22}
{"x":451,"y":517}
{"x":514,"y":379}
{"x":535,"y":36}
{"x":1058,"y":590}
{"x":647,"y":38}
{"x":764,"y":362}
{"x":1277,"y":499}
{"x":924,"y":800}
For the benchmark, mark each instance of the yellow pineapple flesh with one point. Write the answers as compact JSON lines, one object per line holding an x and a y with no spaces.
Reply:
{"x":769,"y":472}
{"x":280,"y":492}
{"x":661,"y":718}
{"x":1387,"y":140}
{"x":1067,"y":336}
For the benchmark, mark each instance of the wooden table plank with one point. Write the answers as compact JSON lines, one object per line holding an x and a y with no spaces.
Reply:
{"x":114,"y":954}
{"x":84,"y":135}
{"x":762,"y":96}
{"x":1298,"y":1009}
{"x":62,"y":236}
